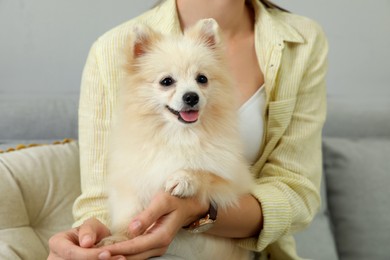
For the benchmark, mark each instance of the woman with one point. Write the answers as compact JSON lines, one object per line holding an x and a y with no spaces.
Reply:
{"x":276,"y":58}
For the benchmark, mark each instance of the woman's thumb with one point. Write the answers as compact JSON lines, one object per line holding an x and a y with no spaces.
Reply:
{"x":88,"y":233}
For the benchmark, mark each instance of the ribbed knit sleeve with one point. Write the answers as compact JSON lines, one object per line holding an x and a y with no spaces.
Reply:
{"x":94,"y":122}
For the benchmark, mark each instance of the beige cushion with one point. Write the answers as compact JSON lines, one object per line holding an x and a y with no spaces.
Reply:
{"x":37,"y":189}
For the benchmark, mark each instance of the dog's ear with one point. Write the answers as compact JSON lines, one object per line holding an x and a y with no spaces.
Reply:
{"x":144,"y":36}
{"x":207,"y":30}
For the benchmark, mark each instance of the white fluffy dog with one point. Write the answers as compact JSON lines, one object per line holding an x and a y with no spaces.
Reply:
{"x":176,"y":130}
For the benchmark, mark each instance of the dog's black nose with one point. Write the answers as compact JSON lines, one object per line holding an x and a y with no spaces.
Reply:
{"x":191,"y":98}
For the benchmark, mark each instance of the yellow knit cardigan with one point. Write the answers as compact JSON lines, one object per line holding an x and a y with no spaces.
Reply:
{"x":292,"y":53}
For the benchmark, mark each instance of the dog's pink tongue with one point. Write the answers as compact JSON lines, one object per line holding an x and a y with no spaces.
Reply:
{"x":189,"y":116}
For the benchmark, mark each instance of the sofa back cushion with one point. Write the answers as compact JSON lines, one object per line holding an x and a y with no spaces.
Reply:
{"x":358,"y":181}
{"x":37,"y":189}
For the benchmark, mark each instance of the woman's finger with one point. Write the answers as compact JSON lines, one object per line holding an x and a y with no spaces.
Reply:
{"x":65,"y":246}
{"x":60,"y":241}
{"x":91,"y":231}
{"x":159,"y":236}
{"x":134,"y":246}
{"x":159,"y":206}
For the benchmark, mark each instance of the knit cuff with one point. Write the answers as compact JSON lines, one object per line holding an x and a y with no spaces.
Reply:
{"x":101,"y":216}
{"x":277,"y":217}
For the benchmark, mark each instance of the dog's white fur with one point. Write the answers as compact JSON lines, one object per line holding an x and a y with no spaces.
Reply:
{"x":152,"y":150}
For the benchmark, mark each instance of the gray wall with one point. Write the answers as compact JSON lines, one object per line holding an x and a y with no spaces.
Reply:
{"x":359,"y":39}
{"x":44,"y":43}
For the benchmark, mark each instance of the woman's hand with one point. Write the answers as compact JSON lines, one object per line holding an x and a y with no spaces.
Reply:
{"x":77,"y":243}
{"x":154,"y":228}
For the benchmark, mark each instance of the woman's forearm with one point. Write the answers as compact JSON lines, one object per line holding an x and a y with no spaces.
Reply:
{"x":245,"y":220}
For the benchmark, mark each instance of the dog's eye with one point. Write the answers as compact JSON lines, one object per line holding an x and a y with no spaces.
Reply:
{"x":201,"y":79}
{"x":166,"y":82}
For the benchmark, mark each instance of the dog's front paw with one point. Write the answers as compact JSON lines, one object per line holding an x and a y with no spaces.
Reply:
{"x":182,"y":184}
{"x":112,"y":240}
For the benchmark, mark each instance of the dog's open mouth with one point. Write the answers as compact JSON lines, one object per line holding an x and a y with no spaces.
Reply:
{"x":188,"y":117}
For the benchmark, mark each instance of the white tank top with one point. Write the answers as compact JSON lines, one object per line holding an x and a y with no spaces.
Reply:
{"x":252,"y":125}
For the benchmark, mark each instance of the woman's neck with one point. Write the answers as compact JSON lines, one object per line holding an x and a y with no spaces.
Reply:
{"x":233,"y":16}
